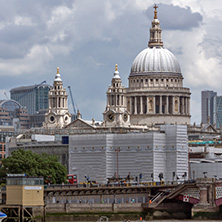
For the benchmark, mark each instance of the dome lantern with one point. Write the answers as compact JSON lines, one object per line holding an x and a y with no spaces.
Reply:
{"x":116,"y":73}
{"x":57,"y":77}
{"x":155,"y":32}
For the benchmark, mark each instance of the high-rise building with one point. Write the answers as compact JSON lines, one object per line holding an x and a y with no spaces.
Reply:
{"x":207,"y":106}
{"x":211,"y":108}
{"x":217,"y":117}
{"x":34,"y":97}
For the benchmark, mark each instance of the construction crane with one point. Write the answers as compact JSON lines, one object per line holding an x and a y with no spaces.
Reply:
{"x":6,"y":96}
{"x":73,"y":105}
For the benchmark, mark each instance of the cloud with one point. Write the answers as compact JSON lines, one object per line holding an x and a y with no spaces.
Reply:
{"x":32,"y":61}
{"x":87,"y":38}
{"x":25,"y":21}
{"x":176,"y":18}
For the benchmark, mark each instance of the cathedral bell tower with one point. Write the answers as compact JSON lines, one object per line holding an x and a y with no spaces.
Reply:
{"x":58,"y":114}
{"x":116,"y":114}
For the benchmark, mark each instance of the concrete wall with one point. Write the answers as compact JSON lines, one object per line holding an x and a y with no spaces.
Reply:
{"x":71,"y":208}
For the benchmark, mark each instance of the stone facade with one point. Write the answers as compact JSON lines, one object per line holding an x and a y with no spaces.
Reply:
{"x":155,"y":94}
{"x":58,"y":115}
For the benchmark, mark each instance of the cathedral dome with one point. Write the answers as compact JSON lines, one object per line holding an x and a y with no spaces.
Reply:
{"x":155,"y":60}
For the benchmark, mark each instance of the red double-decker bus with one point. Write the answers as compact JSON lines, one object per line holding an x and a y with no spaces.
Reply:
{"x":72,"y":179}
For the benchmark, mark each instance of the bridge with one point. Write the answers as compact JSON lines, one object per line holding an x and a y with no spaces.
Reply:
{"x":103,"y":193}
{"x":204,"y":194}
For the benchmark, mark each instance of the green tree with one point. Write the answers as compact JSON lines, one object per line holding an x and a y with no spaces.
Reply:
{"x":33,"y":164}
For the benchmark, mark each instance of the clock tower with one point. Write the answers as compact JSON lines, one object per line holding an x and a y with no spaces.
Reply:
{"x":116,"y":114}
{"x":58,"y":114}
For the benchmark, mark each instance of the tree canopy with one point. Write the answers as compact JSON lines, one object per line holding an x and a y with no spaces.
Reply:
{"x":33,"y":164}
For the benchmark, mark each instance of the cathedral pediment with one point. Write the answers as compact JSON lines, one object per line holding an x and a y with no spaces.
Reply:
{"x":80,"y":124}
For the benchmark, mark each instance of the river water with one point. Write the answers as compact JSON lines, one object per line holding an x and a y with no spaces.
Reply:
{"x":160,"y":221}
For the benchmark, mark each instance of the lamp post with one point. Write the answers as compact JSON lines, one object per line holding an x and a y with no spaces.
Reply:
{"x":193,"y":174}
{"x":117,"y":162}
{"x":174,"y":174}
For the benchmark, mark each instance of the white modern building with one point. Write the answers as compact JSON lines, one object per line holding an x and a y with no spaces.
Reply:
{"x":102,"y":156}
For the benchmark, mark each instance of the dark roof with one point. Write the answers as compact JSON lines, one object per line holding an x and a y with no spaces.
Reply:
{"x":29,"y":87}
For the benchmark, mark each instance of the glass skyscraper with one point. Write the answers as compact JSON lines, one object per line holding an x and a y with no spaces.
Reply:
{"x":218,"y":111}
{"x":211,"y":108}
{"x":34,"y":97}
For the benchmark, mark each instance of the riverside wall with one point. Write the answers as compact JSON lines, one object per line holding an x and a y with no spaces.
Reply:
{"x":92,"y":207}
{"x":115,"y":212}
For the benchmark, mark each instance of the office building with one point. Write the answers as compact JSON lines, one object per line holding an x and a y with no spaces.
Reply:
{"x":34,"y":97}
{"x":217,"y":117}
{"x":211,"y":108}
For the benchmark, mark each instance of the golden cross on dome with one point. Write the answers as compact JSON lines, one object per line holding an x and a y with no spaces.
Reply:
{"x":116,"y":68}
{"x":57,"y":70}
{"x":155,"y":12}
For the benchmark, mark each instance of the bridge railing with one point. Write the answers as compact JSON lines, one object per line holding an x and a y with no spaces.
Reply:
{"x":126,"y":184}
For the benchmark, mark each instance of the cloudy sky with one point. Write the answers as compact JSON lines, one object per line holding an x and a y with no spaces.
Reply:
{"x":87,"y":38}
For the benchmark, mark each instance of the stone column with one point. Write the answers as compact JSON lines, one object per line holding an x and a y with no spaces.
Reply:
{"x":131,"y":105}
{"x":160,"y":105}
{"x":50,"y":102}
{"x":182,"y":106}
{"x":108,"y":100}
{"x":154,"y":104}
{"x":167,"y":105}
{"x":206,"y":187}
{"x":147,"y":105}
{"x":188,"y":106}
{"x":135,"y":105}
{"x":203,"y":196}
{"x":179,"y":111}
{"x":187,"y":112}
{"x":173,"y":105}
{"x":141,"y":105}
